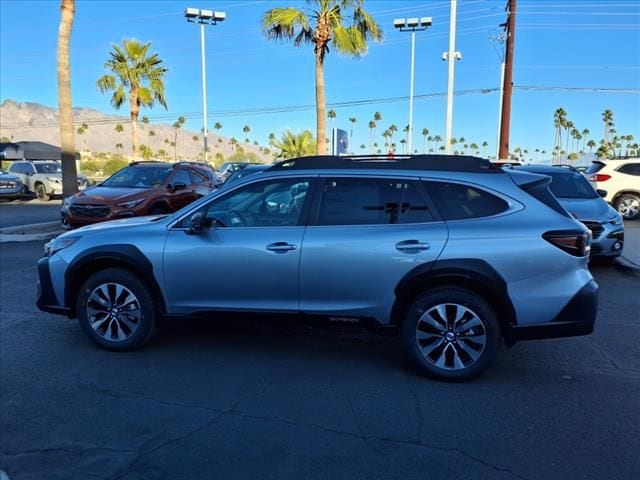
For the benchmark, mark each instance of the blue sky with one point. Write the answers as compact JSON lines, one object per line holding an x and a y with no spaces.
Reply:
{"x":573,"y":43}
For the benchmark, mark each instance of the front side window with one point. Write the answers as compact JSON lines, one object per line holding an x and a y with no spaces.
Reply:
{"x":457,"y":201}
{"x":275,"y":203}
{"x":182,"y":176}
{"x":138,"y":177}
{"x":366,"y":201}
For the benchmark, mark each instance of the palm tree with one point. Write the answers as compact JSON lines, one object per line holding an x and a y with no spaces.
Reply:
{"x":177,"y":125}
{"x":453,"y":141}
{"x":146,"y":152}
{"x":585,"y":134}
{"x":607,"y":118}
{"x":474,"y":148}
{"x":331,"y":115}
{"x":145,"y":120}
{"x":326,"y":24}
{"x":591,"y":143}
{"x":485,"y":144}
{"x":246,"y":129}
{"x":372,"y":129}
{"x":293,"y":145}
{"x":67,"y":144}
{"x":404,"y":145}
{"x":377,"y":117}
{"x":437,"y":139}
{"x":218,"y":127}
{"x":362,"y":147}
{"x":234,"y":143}
{"x":425,"y":134}
{"x":353,"y":121}
{"x":386,"y":134}
{"x":272,"y":138}
{"x":559,"y":122}
{"x":82,"y":129}
{"x":138,"y":72}
{"x":393,"y":129}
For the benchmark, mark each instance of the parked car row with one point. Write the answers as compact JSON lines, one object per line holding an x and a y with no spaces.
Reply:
{"x":452,"y":253}
{"x":42,"y":177}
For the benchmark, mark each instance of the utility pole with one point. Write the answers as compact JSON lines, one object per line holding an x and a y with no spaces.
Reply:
{"x":451,"y":56}
{"x":507,"y":86}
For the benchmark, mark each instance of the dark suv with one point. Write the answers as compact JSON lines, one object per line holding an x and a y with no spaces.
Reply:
{"x":142,"y":188}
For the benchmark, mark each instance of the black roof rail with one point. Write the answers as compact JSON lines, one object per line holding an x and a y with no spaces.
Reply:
{"x":142,"y":162}
{"x":454,"y":163}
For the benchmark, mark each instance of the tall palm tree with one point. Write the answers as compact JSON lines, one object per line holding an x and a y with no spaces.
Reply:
{"x":218,"y":127}
{"x":331,"y":115}
{"x":293,"y":145}
{"x":437,"y":139}
{"x":591,"y":143}
{"x":372,"y":129}
{"x":607,"y":118}
{"x":272,"y":138}
{"x":559,"y":122}
{"x":474,"y":148}
{"x":353,"y":121}
{"x":425,"y":134}
{"x":138,"y":75}
{"x":323,"y":25}
{"x":393,"y":129}
{"x":67,"y":144}
{"x":82,"y":129}
{"x":386,"y":134}
{"x":485,"y":144}
{"x":403,"y":142}
{"x":246,"y":129}
{"x":177,"y":125}
{"x":585,"y":133}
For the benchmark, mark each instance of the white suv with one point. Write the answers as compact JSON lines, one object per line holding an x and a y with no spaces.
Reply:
{"x":621,"y":180}
{"x":44,"y":178}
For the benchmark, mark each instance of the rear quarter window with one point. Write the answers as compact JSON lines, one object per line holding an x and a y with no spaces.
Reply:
{"x":457,"y":201}
{"x":631,"y":169}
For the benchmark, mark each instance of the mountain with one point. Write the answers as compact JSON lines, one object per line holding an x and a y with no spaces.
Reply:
{"x":33,"y":121}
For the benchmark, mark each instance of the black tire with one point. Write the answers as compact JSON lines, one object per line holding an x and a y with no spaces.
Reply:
{"x":452,"y":343}
{"x":144,"y":326}
{"x":628,"y":205}
{"x":41,"y":193}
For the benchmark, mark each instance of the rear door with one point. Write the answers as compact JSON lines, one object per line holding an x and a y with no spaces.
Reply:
{"x":364,"y":235}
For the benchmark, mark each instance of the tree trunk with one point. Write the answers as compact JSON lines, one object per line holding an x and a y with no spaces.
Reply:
{"x":67,"y":144}
{"x":321,"y":128}
{"x":135,"y":110}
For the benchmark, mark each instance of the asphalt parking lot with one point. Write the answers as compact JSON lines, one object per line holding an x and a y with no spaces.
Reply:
{"x":28,"y":210}
{"x":263,"y":400}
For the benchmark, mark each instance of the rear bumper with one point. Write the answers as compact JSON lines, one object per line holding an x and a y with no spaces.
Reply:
{"x":46,"y":297}
{"x":577,"y":318}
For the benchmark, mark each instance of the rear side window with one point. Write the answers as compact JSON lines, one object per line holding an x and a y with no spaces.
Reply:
{"x":631,"y":169}
{"x":457,"y":201}
{"x":182,"y":176}
{"x":594,"y":168}
{"x":358,"y":201}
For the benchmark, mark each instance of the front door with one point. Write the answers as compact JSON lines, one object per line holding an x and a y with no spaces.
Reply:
{"x":246,"y":257}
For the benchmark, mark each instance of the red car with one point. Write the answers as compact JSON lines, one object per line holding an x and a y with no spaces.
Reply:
{"x":142,"y":188}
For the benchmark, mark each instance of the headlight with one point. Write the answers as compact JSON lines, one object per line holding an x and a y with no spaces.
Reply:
{"x":616,"y":220}
{"x":58,"y":244}
{"x":66,"y":201}
{"x":53,"y":179}
{"x":131,"y":204}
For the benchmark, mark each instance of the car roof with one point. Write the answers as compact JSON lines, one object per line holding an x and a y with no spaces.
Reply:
{"x":547,"y":169}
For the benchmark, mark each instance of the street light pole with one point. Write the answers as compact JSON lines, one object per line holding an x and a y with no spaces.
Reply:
{"x":204,"y":94}
{"x":412,"y":25}
{"x":452,"y":56}
{"x":413,"y":60}
{"x":204,"y":17}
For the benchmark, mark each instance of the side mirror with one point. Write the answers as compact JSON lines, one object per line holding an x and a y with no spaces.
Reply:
{"x":197,"y":224}
{"x":602,"y":193}
{"x":177,"y":186}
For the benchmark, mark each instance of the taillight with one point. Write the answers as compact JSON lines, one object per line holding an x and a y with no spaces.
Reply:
{"x":599,"y":177}
{"x":574,"y":242}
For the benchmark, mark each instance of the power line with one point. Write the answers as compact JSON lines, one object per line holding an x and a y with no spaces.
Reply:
{"x":113,"y":120}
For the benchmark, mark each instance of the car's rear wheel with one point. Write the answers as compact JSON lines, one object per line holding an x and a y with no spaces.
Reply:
{"x":41,"y":193}
{"x":116,"y":310}
{"x":451,"y":334}
{"x":628,"y":205}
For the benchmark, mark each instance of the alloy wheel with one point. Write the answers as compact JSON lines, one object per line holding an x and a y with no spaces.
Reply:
{"x":451,"y":336}
{"x":629,"y":207}
{"x":113,"y":311}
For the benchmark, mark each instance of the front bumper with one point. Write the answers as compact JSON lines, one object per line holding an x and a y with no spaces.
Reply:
{"x":115,"y":213}
{"x":577,"y":318}
{"x":46,"y":297}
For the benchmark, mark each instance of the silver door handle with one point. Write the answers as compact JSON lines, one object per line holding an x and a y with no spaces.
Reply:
{"x":281,"y":247}
{"x":412,"y":245}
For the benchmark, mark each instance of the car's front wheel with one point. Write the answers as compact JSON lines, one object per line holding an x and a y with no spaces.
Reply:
{"x":451,"y":334}
{"x":628,"y":205}
{"x":41,"y":193}
{"x":116,"y":310}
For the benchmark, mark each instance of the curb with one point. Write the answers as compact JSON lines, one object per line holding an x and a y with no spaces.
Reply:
{"x":627,"y":264}
{"x":30,"y":233}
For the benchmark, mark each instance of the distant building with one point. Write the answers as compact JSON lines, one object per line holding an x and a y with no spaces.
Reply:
{"x":29,"y":150}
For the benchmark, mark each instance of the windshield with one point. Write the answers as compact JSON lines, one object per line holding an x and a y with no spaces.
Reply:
{"x":138,"y":177}
{"x":51,"y":167}
{"x":571,"y":185}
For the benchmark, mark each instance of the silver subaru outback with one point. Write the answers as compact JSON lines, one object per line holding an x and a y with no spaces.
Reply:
{"x":450,"y":252}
